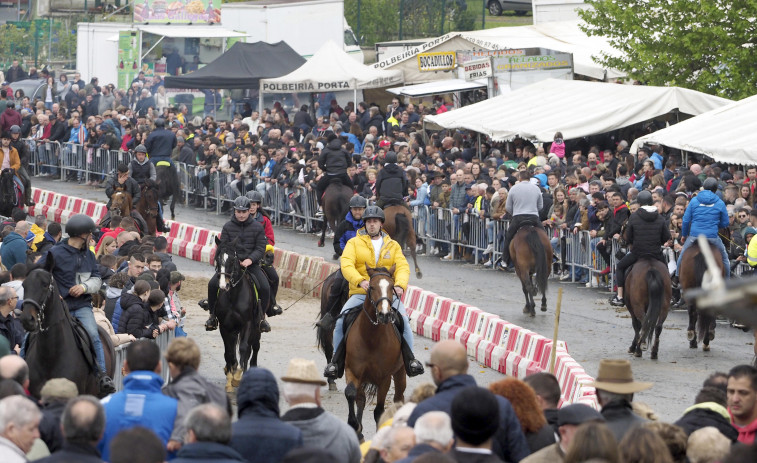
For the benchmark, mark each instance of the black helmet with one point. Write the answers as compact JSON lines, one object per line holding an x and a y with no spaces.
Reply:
{"x":710,"y":184}
{"x":374,"y":212}
{"x":391,"y":157}
{"x":80,"y":224}
{"x":242,"y":203}
{"x":255,"y":197}
{"x":645,"y":198}
{"x":358,"y":201}
{"x":160,"y":122}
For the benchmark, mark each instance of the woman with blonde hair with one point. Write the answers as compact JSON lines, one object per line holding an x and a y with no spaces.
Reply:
{"x":107,"y":246}
{"x":523,"y":399}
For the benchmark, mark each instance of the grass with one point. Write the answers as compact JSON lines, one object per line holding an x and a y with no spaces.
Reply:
{"x":508,"y":18}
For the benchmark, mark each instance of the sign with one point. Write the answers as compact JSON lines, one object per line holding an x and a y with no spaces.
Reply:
{"x":478,"y":69}
{"x":465,"y":56}
{"x":177,"y":12}
{"x":436,"y":61}
{"x":410,"y":52}
{"x":533,"y":63}
{"x":128,"y":55}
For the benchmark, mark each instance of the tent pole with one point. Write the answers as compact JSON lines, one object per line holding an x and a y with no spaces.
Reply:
{"x":354,"y":98}
{"x":479,"y":145}
{"x":260,"y":100}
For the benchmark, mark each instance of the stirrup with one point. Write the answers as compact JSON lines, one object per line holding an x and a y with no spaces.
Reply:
{"x":330,"y":371}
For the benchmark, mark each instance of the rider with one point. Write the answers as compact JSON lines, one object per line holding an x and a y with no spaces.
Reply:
{"x":122,"y":181}
{"x":9,"y":158}
{"x":344,"y":232}
{"x":391,"y":183}
{"x":646,"y":233}
{"x":160,"y":143}
{"x":23,"y":171}
{"x":141,"y":170}
{"x":251,"y":243}
{"x":334,"y":161}
{"x":261,"y":216}
{"x":705,"y":214}
{"x":75,"y":272}
{"x":373,"y":247}
{"x":524,"y":201}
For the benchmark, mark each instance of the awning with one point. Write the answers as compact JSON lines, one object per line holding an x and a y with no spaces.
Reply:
{"x":438,"y":88}
{"x":575,"y":108}
{"x":725,"y":134}
{"x":191,"y":31}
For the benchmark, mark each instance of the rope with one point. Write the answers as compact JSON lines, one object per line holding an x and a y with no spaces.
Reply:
{"x":305,"y":294}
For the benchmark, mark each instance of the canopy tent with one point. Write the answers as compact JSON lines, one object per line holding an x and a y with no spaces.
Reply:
{"x":241,"y":67}
{"x":723,"y":134}
{"x":438,"y":87}
{"x":575,"y":108}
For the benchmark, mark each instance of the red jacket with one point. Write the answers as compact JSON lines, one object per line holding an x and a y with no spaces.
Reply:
{"x":266,"y":223}
{"x":746,"y":433}
{"x":10,"y":117}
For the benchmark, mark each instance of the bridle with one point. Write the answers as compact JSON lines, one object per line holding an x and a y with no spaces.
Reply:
{"x":41,"y":307}
{"x":230,"y":276}
{"x":152,"y":211}
{"x":375,"y":303}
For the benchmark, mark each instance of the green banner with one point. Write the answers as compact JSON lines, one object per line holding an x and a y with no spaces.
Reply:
{"x":128,"y":57}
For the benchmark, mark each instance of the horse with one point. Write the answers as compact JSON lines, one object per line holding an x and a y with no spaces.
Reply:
{"x":325,"y":334}
{"x":148,"y":206}
{"x":121,"y":203}
{"x":531,"y":253}
{"x":647,"y":297}
{"x":167,"y":178}
{"x":335,"y":202}
{"x":692,"y":274}
{"x":399,"y":226}
{"x":52,"y":348}
{"x":11,"y":194}
{"x":373,"y":351}
{"x":238,"y":314}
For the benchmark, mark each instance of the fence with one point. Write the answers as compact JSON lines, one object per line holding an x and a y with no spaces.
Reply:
{"x":163,"y":340}
{"x":465,"y":235}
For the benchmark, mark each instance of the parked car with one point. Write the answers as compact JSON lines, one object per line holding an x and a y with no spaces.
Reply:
{"x":30,"y":87}
{"x":521,"y":7}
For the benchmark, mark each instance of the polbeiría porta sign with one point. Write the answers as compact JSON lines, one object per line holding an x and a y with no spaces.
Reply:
{"x":478,"y":69}
{"x":436,"y":61}
{"x":316,"y":87}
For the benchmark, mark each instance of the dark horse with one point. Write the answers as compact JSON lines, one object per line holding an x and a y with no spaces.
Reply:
{"x":373,"y":355}
{"x":325,"y":334}
{"x":147,"y":206}
{"x":532,"y":254}
{"x":51,"y":348}
{"x":11,"y":196}
{"x":168,"y":184}
{"x":691,"y":274}
{"x":647,"y":296}
{"x":335,"y":202}
{"x":399,"y":226}
{"x":237,"y":312}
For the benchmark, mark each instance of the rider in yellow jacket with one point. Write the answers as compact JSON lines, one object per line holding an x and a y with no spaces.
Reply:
{"x":751,"y":251}
{"x":361,"y":251}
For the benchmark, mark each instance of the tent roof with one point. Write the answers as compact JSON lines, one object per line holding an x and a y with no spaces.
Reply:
{"x":723,"y":134}
{"x":330,"y":68}
{"x":241,"y":66}
{"x":575,"y":108}
{"x":438,"y":87}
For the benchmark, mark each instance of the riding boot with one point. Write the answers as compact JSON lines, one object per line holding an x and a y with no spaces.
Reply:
{"x":413,"y":367}
{"x":273,"y":309}
{"x":335,"y":369}
{"x":105,"y":384}
{"x":209,"y":304}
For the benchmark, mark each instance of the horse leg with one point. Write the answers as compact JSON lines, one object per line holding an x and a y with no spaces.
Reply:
{"x":543,"y":302}
{"x":322,"y":239}
{"x":412,"y":242}
{"x":383,"y":390}
{"x":350,"y":393}
{"x":360,"y":402}
{"x":635,"y":348}
{"x":400,"y":383}
{"x":244,"y":352}
{"x":656,"y":345}
{"x":255,"y":346}
{"x":706,"y":330}
{"x":526,"y":293}
{"x":691,"y":333}
{"x":173,"y":205}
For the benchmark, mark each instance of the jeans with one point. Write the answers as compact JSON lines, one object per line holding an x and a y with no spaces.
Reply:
{"x":359,"y":299}
{"x":87,"y":319}
{"x":714,"y":241}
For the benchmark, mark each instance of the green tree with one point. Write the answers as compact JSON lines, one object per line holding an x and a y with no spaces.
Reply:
{"x":704,"y":45}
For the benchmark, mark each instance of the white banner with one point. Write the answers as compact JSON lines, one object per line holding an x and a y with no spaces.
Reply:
{"x":478,"y":69}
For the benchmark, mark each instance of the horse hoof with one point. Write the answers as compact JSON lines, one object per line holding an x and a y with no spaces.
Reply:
{"x":544,"y":308}
{"x":712,"y":335}
{"x":418,"y":274}
{"x":643,"y":346}
{"x":526,"y":310}
{"x":693,"y":344}
{"x":631,"y":350}
{"x":332,"y":386}
{"x":691,"y":335}
{"x":654,"y":356}
{"x":705,"y":348}
{"x":237,"y":377}
{"x":320,"y":244}
{"x":637,"y":354}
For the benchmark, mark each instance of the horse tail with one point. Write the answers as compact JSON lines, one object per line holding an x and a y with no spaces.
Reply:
{"x":654,"y":304}
{"x":541,"y":267}
{"x":402,"y":226}
{"x":705,"y":318}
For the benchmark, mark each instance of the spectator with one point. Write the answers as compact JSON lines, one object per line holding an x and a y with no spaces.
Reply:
{"x":707,"y":445}
{"x":19,"y":419}
{"x":742,"y":401}
{"x":137,"y":318}
{"x":15,"y":368}
{"x":208,"y":432}
{"x":709,"y":410}
{"x":259,"y":434}
{"x":98,"y":309}
{"x":18,"y":274}
{"x":674,"y":437}
{"x":641,"y":445}
{"x":83,"y":425}
{"x":10,"y":328}
{"x":160,"y":249}
{"x":54,"y":396}
{"x":13,"y":250}
{"x":433,"y":435}
{"x":569,"y":418}
{"x":302,"y":391}
{"x":615,"y":389}
{"x":397,"y":443}
{"x":547,"y":394}
{"x":592,"y":441}
{"x":142,"y":383}
{"x":137,"y":445}
{"x":523,"y":399}
{"x":475,"y":419}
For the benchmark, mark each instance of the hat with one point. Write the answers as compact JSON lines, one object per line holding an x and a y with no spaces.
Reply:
{"x":577,"y":414}
{"x":176,"y":277}
{"x":384,"y":143}
{"x":474,"y":415}
{"x":59,"y":388}
{"x":15,"y":129}
{"x":123,"y":118}
{"x":303,"y":371}
{"x":750,"y":231}
{"x":30,"y":237}
{"x":615,"y":376}
{"x":400,"y":143}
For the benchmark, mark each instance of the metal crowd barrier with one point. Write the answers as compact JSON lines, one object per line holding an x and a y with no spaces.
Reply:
{"x":163,"y":340}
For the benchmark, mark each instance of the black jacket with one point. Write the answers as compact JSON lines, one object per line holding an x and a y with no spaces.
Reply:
{"x":616,"y":222}
{"x":302,"y":118}
{"x":11,"y":329}
{"x":620,"y":418}
{"x":136,"y":319}
{"x":187,"y":155}
{"x":375,"y":121}
{"x":252,"y":240}
{"x":80,"y":453}
{"x":60,"y":131}
{"x":160,"y":143}
{"x":646,"y":232}
{"x":391,"y":184}
{"x":23,"y":152}
{"x":541,"y":438}
{"x":131,"y":187}
{"x":333,"y":159}
{"x":49,"y":426}
{"x":207,"y":452}
{"x":698,"y":417}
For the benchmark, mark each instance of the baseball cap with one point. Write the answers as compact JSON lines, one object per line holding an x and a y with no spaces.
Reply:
{"x":15,"y":129}
{"x":577,"y":414}
{"x":29,"y":237}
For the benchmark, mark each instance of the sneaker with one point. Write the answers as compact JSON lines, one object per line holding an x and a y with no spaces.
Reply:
{"x":414,"y":368}
{"x":203,"y":303}
{"x":489,"y":249}
{"x":448,"y":257}
{"x":617,"y":301}
{"x":275,"y":310}
{"x":565,"y":276}
{"x":592,"y":283}
{"x":488,"y":263}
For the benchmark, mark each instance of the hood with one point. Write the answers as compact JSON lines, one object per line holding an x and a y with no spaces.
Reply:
{"x":355,"y":223}
{"x":648,"y":216}
{"x":258,"y":394}
{"x":111,"y":292}
{"x":143,"y":380}
{"x":335,"y":144}
{"x":129,"y":299}
{"x":707,"y":197}
{"x":143,"y":162}
{"x":13,"y":237}
{"x":392,"y":168}
{"x":711,"y":406}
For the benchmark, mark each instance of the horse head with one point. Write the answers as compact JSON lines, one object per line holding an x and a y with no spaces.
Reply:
{"x":226,"y":263}
{"x":381,"y":292}
{"x":150,"y":195}
{"x":41,"y":292}
{"x":120,"y":203}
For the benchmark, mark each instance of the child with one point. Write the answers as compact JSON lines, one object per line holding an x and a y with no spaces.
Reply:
{"x":558,"y":146}
{"x":136,"y":318}
{"x":174,"y":308}
{"x":156,"y":300}
{"x":98,"y":309}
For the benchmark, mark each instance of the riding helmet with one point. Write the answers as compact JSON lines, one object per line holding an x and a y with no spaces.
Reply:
{"x":645,"y":198}
{"x":391,"y":157}
{"x":140,"y":149}
{"x":255,"y":197}
{"x":15,"y":129}
{"x":80,"y":224}
{"x":374,"y":212}
{"x":242,"y":203}
{"x":160,"y":122}
{"x":358,"y":201}
{"x":710,"y":184}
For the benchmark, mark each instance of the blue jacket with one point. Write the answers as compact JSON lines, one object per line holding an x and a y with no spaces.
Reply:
{"x":72,"y":267}
{"x":354,"y":140}
{"x":509,"y":443}
{"x":117,"y":312}
{"x":207,"y":451}
{"x":13,"y":250}
{"x":348,"y":233}
{"x":421,"y":197}
{"x":160,"y":143}
{"x":259,"y":434}
{"x":705,"y":214}
{"x":141,"y":403}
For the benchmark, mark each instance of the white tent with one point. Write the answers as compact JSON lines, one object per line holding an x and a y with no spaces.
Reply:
{"x":723,"y":134}
{"x":575,"y":108}
{"x":331,"y":69}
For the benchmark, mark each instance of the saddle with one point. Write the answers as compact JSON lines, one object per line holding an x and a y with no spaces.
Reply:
{"x":85,"y":345}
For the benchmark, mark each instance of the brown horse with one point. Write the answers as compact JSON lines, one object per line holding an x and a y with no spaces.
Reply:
{"x":335,"y":202}
{"x":373,"y":351}
{"x":691,"y":274}
{"x":647,"y":297}
{"x":531,"y":253}
{"x":147,"y":206}
{"x":120,"y":203}
{"x":325,"y":334}
{"x":399,"y":226}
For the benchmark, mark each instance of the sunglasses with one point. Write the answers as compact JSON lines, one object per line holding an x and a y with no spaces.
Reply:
{"x":742,"y":216}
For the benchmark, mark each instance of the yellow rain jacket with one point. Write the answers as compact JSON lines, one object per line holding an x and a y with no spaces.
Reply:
{"x":359,"y":251}
{"x":751,"y":253}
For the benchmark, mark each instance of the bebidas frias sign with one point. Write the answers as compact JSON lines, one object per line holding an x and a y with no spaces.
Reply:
{"x":478,"y":69}
{"x":436,"y":61}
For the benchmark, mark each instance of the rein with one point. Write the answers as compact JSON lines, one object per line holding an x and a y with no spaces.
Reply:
{"x":375,"y":303}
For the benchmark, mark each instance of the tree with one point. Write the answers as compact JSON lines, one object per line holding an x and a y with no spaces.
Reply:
{"x":704,"y":45}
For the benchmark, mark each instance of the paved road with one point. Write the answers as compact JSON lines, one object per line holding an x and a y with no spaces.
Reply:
{"x":591,"y":327}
